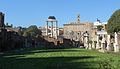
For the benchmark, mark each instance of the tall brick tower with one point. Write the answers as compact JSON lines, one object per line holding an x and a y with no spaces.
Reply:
{"x":2,"y":20}
{"x":78,"y":18}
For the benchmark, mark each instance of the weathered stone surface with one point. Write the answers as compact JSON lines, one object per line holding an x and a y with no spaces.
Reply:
{"x":116,"y":46}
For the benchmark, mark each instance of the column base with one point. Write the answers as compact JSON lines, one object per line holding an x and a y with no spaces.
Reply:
{"x":116,"y":48}
{"x":108,"y":47}
{"x":97,"y":46}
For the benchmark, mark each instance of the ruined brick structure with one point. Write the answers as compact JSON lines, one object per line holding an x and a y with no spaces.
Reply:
{"x":78,"y":30}
{"x":2,"y":26}
{"x":9,"y":38}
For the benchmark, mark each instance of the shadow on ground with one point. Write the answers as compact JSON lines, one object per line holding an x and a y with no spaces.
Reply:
{"x":71,"y":62}
{"x":27,"y":52}
{"x":49,"y":63}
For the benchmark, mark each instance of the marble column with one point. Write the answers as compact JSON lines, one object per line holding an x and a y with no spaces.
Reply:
{"x":85,"y":42}
{"x":108,"y":43}
{"x":97,"y":45}
{"x":47,"y":28}
{"x":82,"y":38}
{"x":116,"y":46}
{"x":56,"y":31}
{"x":51,"y":28}
{"x":103,"y":43}
{"x":86,"y":39}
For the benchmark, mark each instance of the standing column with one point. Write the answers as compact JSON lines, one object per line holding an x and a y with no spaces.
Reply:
{"x":56,"y":30}
{"x":108,"y":43}
{"x":47,"y":28}
{"x":82,"y":39}
{"x":116,"y":46}
{"x":103,"y":42}
{"x":86,"y":39}
{"x":97,"y":45}
{"x":51,"y":28}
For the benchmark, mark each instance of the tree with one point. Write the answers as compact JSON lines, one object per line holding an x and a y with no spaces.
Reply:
{"x":32,"y":31}
{"x":99,"y":27}
{"x":114,"y":22}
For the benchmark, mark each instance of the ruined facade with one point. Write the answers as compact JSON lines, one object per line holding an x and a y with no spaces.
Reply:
{"x":2,"y":26}
{"x":9,"y":37}
{"x":77,"y":30}
{"x":51,"y":31}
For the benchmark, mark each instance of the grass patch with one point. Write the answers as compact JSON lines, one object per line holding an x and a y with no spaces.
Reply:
{"x":72,"y":58}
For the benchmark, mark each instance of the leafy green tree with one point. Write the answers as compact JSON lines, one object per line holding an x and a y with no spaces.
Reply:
{"x":114,"y":22}
{"x":99,"y":27}
{"x":32,"y":31}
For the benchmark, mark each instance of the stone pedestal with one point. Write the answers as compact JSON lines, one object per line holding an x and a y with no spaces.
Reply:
{"x":102,"y":45}
{"x":86,"y":46}
{"x":116,"y":47}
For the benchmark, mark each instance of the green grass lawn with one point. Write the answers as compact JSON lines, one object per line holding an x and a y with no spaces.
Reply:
{"x":72,"y":58}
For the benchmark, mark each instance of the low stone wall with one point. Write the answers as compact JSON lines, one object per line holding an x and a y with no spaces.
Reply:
{"x":58,"y":43}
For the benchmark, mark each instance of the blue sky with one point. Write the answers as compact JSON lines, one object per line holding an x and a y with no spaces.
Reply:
{"x":35,"y":12}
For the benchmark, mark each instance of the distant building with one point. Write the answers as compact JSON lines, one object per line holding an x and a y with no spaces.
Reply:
{"x":2,"y":26}
{"x":8,"y":26}
{"x":98,"y":23}
{"x":76,"y":31}
{"x":43,"y":30}
{"x":9,"y":37}
{"x":50,"y":30}
{"x":3,"y":31}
